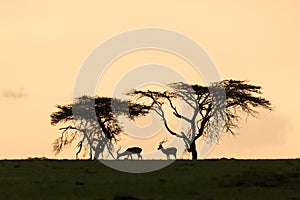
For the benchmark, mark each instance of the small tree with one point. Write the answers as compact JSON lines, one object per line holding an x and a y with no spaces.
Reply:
{"x":96,"y":121}
{"x":211,"y":109}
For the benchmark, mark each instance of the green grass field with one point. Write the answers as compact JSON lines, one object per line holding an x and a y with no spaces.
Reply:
{"x":205,"y":179}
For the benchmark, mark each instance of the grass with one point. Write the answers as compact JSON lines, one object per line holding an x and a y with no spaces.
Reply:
{"x":205,"y":179}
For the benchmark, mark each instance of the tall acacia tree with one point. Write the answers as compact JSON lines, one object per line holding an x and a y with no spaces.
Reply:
{"x":95,"y":122}
{"x":213,"y":111}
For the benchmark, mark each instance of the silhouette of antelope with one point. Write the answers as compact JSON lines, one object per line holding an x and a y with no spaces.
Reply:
{"x":129,"y":152}
{"x":167,"y":151}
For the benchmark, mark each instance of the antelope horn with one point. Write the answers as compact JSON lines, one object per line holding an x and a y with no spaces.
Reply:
{"x":165,"y":140}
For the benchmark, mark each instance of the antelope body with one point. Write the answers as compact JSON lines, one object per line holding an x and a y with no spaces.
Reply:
{"x":167,"y":151}
{"x":130,"y":151}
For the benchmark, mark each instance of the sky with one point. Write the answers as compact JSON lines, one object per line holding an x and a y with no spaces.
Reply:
{"x":43,"y":45}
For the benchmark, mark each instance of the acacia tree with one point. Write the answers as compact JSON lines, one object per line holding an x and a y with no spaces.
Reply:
{"x":95,"y":121}
{"x":212,"y":111}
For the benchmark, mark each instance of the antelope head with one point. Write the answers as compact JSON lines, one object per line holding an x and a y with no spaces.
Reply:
{"x":160,"y":144}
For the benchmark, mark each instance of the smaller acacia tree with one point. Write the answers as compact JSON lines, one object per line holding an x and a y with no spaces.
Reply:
{"x":95,"y":121}
{"x":219,"y":105}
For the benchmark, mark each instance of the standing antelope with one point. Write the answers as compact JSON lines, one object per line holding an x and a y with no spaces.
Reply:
{"x":167,"y":151}
{"x":130,"y":151}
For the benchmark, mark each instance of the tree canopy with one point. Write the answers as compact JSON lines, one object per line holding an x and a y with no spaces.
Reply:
{"x":95,"y":119}
{"x":216,"y":108}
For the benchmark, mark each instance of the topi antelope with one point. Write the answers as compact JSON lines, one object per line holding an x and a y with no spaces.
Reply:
{"x":129,"y":152}
{"x":167,"y":151}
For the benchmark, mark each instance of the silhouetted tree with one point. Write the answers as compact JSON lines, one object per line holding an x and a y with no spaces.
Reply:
{"x":212,"y":111}
{"x":96,"y":122}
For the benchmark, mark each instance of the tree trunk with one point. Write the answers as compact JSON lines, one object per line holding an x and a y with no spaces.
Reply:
{"x":193,"y":150}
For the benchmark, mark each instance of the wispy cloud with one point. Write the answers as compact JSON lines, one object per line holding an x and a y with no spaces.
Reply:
{"x":14,"y":94}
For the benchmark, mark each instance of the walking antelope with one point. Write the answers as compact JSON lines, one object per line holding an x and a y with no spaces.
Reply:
{"x":167,"y":151}
{"x":129,"y":152}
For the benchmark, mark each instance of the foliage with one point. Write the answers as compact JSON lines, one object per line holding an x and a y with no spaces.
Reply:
{"x":216,"y":108}
{"x":96,"y":119}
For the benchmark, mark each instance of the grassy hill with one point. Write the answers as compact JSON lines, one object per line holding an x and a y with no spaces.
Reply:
{"x":205,"y":179}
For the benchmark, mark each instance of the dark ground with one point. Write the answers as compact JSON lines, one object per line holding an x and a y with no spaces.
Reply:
{"x":204,"y":179}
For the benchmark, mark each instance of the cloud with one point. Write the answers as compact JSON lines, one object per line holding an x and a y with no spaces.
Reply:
{"x":14,"y":94}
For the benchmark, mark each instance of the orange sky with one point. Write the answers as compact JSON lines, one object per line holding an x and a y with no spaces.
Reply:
{"x":44,"y":44}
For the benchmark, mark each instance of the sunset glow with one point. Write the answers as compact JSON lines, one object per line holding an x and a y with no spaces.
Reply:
{"x":43,"y":45}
